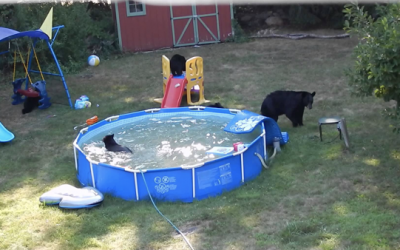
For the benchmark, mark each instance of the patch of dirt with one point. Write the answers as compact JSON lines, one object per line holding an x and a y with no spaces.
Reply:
{"x":272,"y":221}
{"x":311,"y":202}
{"x":343,"y":184}
{"x":227,"y":66}
{"x":192,"y":227}
{"x":348,"y":111}
{"x":17,"y":247}
{"x":87,"y":76}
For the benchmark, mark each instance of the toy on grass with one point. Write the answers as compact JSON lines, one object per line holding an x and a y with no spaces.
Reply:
{"x":175,"y":87}
{"x":89,"y":122}
{"x":70,"y":197}
{"x":93,"y":60}
{"x":84,"y":98}
{"x":82,"y":102}
{"x":5,"y":134}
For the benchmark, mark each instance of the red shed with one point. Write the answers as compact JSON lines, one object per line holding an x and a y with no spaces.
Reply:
{"x":144,"y":27}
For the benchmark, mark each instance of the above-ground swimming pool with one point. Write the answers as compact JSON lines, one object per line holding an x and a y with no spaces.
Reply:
{"x":176,"y":151}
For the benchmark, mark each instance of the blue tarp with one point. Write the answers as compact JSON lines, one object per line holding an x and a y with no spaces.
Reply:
{"x":9,"y":34}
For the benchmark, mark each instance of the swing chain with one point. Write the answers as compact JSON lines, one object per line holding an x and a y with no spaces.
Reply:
{"x":37,"y":61}
{"x":23,"y":63}
{"x":27,"y":61}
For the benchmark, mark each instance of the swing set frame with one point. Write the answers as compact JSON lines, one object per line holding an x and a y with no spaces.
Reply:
{"x":28,"y":69}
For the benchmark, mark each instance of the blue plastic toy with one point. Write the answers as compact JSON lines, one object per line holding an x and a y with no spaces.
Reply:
{"x":82,"y":102}
{"x":17,"y":97}
{"x":45,"y":99}
{"x":40,"y":86}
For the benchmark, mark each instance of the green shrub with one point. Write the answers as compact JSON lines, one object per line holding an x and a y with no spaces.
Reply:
{"x":300,"y":15}
{"x":376,"y":70}
{"x":311,"y":15}
{"x":239,"y":34}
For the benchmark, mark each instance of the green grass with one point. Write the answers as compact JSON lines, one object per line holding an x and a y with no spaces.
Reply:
{"x":316,"y":195}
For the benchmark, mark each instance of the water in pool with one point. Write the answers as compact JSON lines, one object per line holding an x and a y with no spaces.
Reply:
{"x":166,"y":142}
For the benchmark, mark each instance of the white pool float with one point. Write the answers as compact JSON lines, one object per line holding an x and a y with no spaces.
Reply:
{"x":67,"y":196}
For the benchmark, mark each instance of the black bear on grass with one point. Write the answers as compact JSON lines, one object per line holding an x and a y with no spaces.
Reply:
{"x":177,"y":65}
{"x":289,"y":103}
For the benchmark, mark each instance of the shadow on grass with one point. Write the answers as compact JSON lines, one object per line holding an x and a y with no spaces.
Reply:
{"x":45,"y":151}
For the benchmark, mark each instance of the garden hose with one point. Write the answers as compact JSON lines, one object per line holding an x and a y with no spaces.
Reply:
{"x":163,"y":215}
{"x":262,"y":160}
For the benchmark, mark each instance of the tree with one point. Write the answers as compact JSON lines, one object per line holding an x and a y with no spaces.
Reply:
{"x":377,"y":56}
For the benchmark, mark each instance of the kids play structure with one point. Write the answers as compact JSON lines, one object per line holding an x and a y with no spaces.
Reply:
{"x":45,"y":33}
{"x":175,"y":87}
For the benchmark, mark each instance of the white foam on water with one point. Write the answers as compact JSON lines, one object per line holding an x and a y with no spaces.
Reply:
{"x":165,"y":142}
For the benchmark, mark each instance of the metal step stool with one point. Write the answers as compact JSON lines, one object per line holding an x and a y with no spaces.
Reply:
{"x":327,"y":121}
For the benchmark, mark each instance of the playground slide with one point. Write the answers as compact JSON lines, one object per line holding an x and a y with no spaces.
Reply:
{"x":5,"y":135}
{"x":173,"y":92}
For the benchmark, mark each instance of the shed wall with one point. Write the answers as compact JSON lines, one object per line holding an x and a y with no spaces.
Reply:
{"x":154,"y":30}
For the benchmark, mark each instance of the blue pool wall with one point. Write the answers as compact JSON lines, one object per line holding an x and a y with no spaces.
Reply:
{"x":185,"y":183}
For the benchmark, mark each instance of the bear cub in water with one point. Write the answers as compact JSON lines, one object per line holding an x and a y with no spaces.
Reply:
{"x":112,"y":145}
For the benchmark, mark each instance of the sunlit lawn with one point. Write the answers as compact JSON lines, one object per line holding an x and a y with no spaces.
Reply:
{"x":317,"y":195}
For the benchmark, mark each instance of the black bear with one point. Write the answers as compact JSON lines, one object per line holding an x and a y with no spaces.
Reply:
{"x":289,"y":103}
{"x":177,"y":65}
{"x":216,"y":105}
{"x":30,"y":103}
{"x":113,"y":146}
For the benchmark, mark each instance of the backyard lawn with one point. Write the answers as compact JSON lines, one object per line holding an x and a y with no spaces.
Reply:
{"x":316,"y":195}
